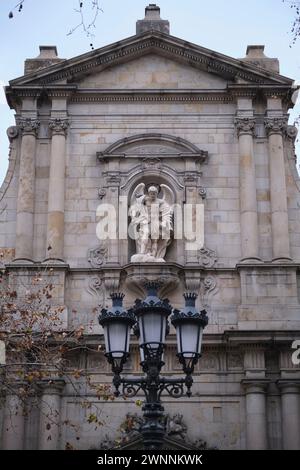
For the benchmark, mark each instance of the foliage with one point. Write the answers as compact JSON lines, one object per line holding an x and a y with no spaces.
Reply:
{"x":40,"y":347}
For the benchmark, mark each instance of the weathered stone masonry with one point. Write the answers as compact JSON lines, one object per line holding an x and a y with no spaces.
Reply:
{"x":215,"y":129}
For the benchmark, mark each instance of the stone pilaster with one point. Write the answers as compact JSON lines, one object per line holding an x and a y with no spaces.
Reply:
{"x":290,"y":410}
{"x":25,"y":205}
{"x":249,"y":225}
{"x":13,"y":421}
{"x":256,"y":415}
{"x":290,"y":413}
{"x":275,"y":127}
{"x":50,"y":405}
{"x":56,"y":195}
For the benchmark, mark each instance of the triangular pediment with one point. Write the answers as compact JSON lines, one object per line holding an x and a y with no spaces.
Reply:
{"x":215,"y":67}
{"x":152,"y":71}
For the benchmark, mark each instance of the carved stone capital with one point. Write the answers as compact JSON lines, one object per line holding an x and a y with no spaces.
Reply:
{"x":276,"y":125}
{"x":59,"y":126}
{"x":54,"y":386}
{"x":28,"y":126}
{"x":245,"y":126}
{"x":288,"y":386}
{"x":256,"y":386}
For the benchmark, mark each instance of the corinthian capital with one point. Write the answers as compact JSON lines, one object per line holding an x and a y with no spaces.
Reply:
{"x":276,"y":125}
{"x":59,"y":126}
{"x":28,"y":126}
{"x":245,"y":125}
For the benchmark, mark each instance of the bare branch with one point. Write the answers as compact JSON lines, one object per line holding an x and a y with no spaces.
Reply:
{"x":85,"y":25}
{"x":295,"y":29}
{"x":18,"y":6}
{"x":88,"y":11}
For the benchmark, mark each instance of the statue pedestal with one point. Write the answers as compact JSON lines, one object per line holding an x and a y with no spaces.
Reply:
{"x":138,"y":274}
{"x":145,"y":259}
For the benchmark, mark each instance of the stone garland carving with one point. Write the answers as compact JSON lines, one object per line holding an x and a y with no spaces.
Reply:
{"x":207,"y":258}
{"x":59,"y":126}
{"x":97,"y":257}
{"x":276,"y":125}
{"x":245,"y":126}
{"x":28,"y":126}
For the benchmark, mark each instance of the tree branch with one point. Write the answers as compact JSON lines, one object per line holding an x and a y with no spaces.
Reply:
{"x":295,"y":30}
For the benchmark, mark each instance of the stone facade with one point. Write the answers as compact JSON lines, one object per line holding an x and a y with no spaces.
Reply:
{"x":156,"y":108}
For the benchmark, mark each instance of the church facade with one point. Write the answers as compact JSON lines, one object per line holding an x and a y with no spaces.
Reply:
{"x":155,"y":111}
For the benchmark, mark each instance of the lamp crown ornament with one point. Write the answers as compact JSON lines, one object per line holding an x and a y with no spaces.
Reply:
{"x":152,"y":300}
{"x":117,"y":311}
{"x":117,"y":299}
{"x":190,"y":299}
{"x":190,"y":311}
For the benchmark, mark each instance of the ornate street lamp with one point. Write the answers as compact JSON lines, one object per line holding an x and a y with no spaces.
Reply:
{"x":150,"y":317}
{"x":117,"y":323}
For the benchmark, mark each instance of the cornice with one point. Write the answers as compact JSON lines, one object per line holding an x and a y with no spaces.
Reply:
{"x":89,"y":95}
{"x":156,"y":42}
{"x":144,"y":95}
{"x":251,"y":337}
{"x":14,"y":93}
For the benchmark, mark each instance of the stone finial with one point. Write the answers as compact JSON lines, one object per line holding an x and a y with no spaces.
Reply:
{"x":47,"y":57}
{"x":48,"y":52}
{"x":256,"y":56}
{"x":256,"y":52}
{"x":152,"y":21}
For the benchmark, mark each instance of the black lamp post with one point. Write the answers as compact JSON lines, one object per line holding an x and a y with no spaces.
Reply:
{"x":150,"y":317}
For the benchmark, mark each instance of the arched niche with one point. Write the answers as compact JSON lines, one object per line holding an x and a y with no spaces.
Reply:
{"x":153,"y":177}
{"x":151,"y":159}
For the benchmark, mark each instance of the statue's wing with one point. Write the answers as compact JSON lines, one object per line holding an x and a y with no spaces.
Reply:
{"x":168,"y":195}
{"x":138,"y":192}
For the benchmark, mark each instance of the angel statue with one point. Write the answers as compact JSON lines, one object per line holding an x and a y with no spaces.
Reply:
{"x":151,"y":222}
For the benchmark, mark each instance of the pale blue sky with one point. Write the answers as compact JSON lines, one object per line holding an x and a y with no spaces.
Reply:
{"x":226,"y":26}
